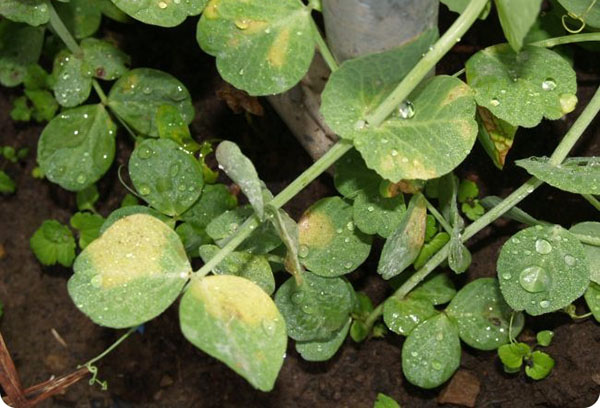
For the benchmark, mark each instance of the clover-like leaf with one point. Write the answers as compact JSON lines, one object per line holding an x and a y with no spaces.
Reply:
{"x":88,"y":225}
{"x":587,"y":10}
{"x":20,"y":46}
{"x":32,"y":12}
{"x":580,"y":175}
{"x":374,"y":214}
{"x":516,"y":18}
{"x":167,"y":177}
{"x":82,"y":17}
{"x":330,"y":244}
{"x":323,"y":350}
{"x":512,"y":355}
{"x":482,"y":316}
{"x":431,"y":353}
{"x":437,"y":289}
{"x":243,"y":264}
{"x":542,"y":269}
{"x":233,"y":320}
{"x":522,"y":88}
{"x":315,"y":309}
{"x":103,"y":60}
{"x":71,"y":84}
{"x":53,"y":243}
{"x":138,"y":94}
{"x":77,"y":147}
{"x":592,"y":299}
{"x":402,"y":315}
{"x":214,"y":201}
{"x":541,"y":365}
{"x":263,"y":47}
{"x":131,"y":274}
{"x":164,"y":13}
{"x":590,"y":229}
{"x":404,"y":244}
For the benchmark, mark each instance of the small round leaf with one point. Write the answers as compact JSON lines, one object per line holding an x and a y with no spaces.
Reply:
{"x":323,"y":350}
{"x":71,"y":84}
{"x":402,"y":315}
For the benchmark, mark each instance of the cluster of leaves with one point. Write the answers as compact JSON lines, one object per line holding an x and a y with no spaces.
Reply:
{"x":538,"y":364}
{"x":11,"y":155}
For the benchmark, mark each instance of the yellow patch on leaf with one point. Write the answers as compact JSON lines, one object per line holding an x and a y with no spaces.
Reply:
{"x":315,"y":230}
{"x":278,"y":52}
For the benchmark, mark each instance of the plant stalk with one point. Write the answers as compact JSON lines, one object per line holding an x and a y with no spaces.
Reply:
{"x":567,"y":39}
{"x":323,"y":48}
{"x":592,"y":200}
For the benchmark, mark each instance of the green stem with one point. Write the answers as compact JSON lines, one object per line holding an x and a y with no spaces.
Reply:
{"x":427,"y":63}
{"x":438,"y":217}
{"x":567,"y":39}
{"x":110,"y":348}
{"x":62,"y":31}
{"x":587,"y":239}
{"x":592,"y":200}
{"x":100,"y":92}
{"x":323,"y":48}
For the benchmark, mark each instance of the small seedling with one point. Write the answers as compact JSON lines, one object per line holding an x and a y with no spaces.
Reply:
{"x":538,"y":364}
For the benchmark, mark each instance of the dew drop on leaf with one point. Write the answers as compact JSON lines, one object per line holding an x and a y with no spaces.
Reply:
{"x":569,"y":260}
{"x":543,"y":247}
{"x":297,"y":297}
{"x":544,"y":304}
{"x":174,"y":169}
{"x":303,"y":251}
{"x":81,"y":178}
{"x":436,"y":365}
{"x":549,"y":84}
{"x":162,"y":5}
{"x":268,"y":327}
{"x":535,"y":279}
{"x":406,"y":110}
{"x":145,"y":152}
{"x":96,"y":281}
{"x":494,"y":102}
{"x":144,"y":190}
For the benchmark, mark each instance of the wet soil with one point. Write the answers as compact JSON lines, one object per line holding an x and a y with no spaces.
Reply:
{"x":161,"y":369}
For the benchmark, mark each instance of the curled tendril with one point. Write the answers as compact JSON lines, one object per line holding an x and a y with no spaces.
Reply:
{"x":94,"y":380}
{"x":574,"y":17}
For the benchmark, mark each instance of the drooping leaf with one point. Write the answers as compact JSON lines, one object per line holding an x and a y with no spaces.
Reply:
{"x":522,"y":88}
{"x":214,"y":201}
{"x":71,"y":84}
{"x":7,"y":184}
{"x":402,"y":315}
{"x":20,"y":45}
{"x":131,"y":210}
{"x":103,"y":60}
{"x":437,"y":289}
{"x":323,"y":350}
{"x":233,"y":320}
{"x":77,"y":147}
{"x":255,"y":268}
{"x":170,"y":125}
{"x":516,"y":18}
{"x":580,"y":175}
{"x":431,"y":353}
{"x":482,"y":315}
{"x":315,"y":309}
{"x":587,"y":10}
{"x":541,"y":366}
{"x":262,"y":47}
{"x":330,"y":244}
{"x":138,"y":94}
{"x":241,"y":170}
{"x":82,"y":17}
{"x":88,"y":226}
{"x":592,"y":299}
{"x":542,"y":269}
{"x":164,"y":13}
{"x":403,"y":246}
{"x":32,"y":12}
{"x":131,"y":274}
{"x":53,"y":243}
{"x":590,"y":229}
{"x":167,"y":177}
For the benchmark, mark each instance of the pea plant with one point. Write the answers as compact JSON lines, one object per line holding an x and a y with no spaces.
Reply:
{"x":401,"y":135}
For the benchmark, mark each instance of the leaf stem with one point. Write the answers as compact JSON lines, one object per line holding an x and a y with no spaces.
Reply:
{"x":100,"y":92}
{"x":62,"y":31}
{"x":109,"y":349}
{"x":567,"y":39}
{"x":438,"y":217}
{"x":323,"y":48}
{"x":592,"y":200}
{"x":427,"y":63}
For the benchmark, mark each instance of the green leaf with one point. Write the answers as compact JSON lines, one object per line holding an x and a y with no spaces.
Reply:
{"x":580,"y":175}
{"x":522,"y":88}
{"x":352,"y":175}
{"x":243,"y":264}
{"x":82,"y":17}
{"x":315,"y":309}
{"x":111,"y":11}
{"x":383,"y":401}
{"x":592,"y":299}
{"x":590,"y":229}
{"x":88,"y":226}
{"x":233,"y":320}
{"x":53,"y":243}
{"x":164,"y":13}
{"x":32,"y":12}
{"x":20,"y":46}
{"x":587,"y":10}
{"x":516,"y":18}
{"x":77,"y":147}
{"x":72,"y":85}
{"x":330,"y":245}
{"x":167,"y":177}
{"x":263,"y":240}
{"x":467,"y":190}
{"x":541,"y":367}
{"x":21,"y":112}
{"x":403,"y":246}
{"x":374,"y":214}
{"x":7,"y":184}
{"x":459,"y":257}
{"x":323,"y":350}
{"x":87,"y":197}
{"x":431,"y":353}
{"x":544,"y":337}
{"x":192,"y":238}
{"x":214,"y":201}
{"x":44,"y":104}
{"x":512,"y":354}
{"x":36,"y":78}
{"x":437,"y":289}
{"x":473,"y":210}
{"x":402,"y":315}
{"x":482,"y":316}
{"x":241,"y":170}
{"x":263,"y":47}
{"x":170,"y":125}
{"x":138,"y":94}
{"x":131,"y":274}
{"x":123,"y":212}
{"x":103,"y":60}
{"x":129,"y":200}
{"x":542,"y":269}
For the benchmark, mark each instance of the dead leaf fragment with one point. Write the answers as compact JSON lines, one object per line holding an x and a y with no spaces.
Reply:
{"x":239,"y":101}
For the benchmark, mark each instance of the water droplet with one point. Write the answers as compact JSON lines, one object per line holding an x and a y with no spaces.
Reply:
{"x":308,"y":309}
{"x":145,"y":152}
{"x":543,"y":247}
{"x":297,"y":297}
{"x":81,"y":178}
{"x":303,"y":251}
{"x":350,"y":226}
{"x":96,"y":281}
{"x":181,"y":187}
{"x":359,"y":125}
{"x":549,"y":84}
{"x":567,"y":102}
{"x":162,"y":5}
{"x":569,"y":260}
{"x":406,"y":110}
{"x":339,"y":231}
{"x":144,"y":190}
{"x":394,"y":152}
{"x":268,"y":327}
{"x":506,"y":276}
{"x":147,"y":90}
{"x":534,"y":279}
{"x":494,"y":102}
{"x":348,"y":265}
{"x":346,"y":240}
{"x":436,"y":365}
{"x":242,"y":23}
{"x":414,"y":353}
{"x":439,"y":337}
{"x":370,"y":208}
{"x":174,"y":169}
{"x":544,"y":304}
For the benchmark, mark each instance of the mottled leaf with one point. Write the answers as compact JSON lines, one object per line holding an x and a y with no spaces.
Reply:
{"x":133,"y":209}
{"x":103,"y":60}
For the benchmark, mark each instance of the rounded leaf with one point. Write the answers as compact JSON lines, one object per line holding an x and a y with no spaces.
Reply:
{"x":374,"y":214}
{"x":81,"y":17}
{"x":402,"y":315}
{"x":103,"y":60}
{"x":131,"y":274}
{"x":233,"y":320}
{"x":214,"y":201}
{"x":164,"y":13}
{"x":123,"y":212}
{"x":167,"y":177}
{"x":590,"y":229}
{"x":72,"y":86}
{"x":31,"y":12}
{"x":542,"y":269}
{"x":77,"y":147}
{"x":330,"y":244}
{"x":323,"y":350}
{"x":579,"y":175}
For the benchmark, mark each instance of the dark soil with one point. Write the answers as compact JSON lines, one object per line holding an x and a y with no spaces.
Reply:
{"x":161,"y":369}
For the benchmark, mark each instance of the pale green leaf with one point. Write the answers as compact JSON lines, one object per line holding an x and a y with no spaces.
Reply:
{"x":164,"y":13}
{"x":133,"y":209}
{"x":53,"y":243}
{"x":20,"y":46}
{"x":590,"y":229}
{"x":72,"y":86}
{"x":516,"y":18}
{"x":32,"y":12}
{"x":323,"y":350}
{"x":88,"y":225}
{"x":580,"y":175}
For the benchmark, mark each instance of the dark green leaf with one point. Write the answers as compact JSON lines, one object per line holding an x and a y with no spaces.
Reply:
{"x":437,"y":289}
{"x":192,"y":238}
{"x":7,"y":184}
{"x":72,"y":85}
{"x":103,"y":60}
{"x":44,"y":104}
{"x":87,"y":197}
{"x":214,"y":201}
{"x":402,"y":316}
{"x":587,"y":10}
{"x":82,"y":17}
{"x":32,"y":12}
{"x":20,"y":46}
{"x":170,"y":125}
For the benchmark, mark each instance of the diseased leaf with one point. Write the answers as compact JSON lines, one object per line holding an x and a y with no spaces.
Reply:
{"x":323,"y":350}
{"x":431,"y":353}
{"x":20,"y":46}
{"x":131,"y":274}
{"x":77,"y":147}
{"x":164,"y":13}
{"x":542,"y":269}
{"x":168,"y":178}
{"x":288,"y":231}
{"x":53,"y":243}
{"x":131,"y":210}
{"x":263,"y":47}
{"x":330,"y":244}
{"x":233,"y":320}
{"x":138,"y":94}
{"x":374,"y":214}
{"x":82,"y":17}
{"x":522,"y":88}
{"x":590,"y":229}
{"x":103,"y":60}
{"x":516,"y":18}
{"x":580,"y":175}
{"x":402,"y":316}
{"x":71,"y":86}
{"x":32,"y":12}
